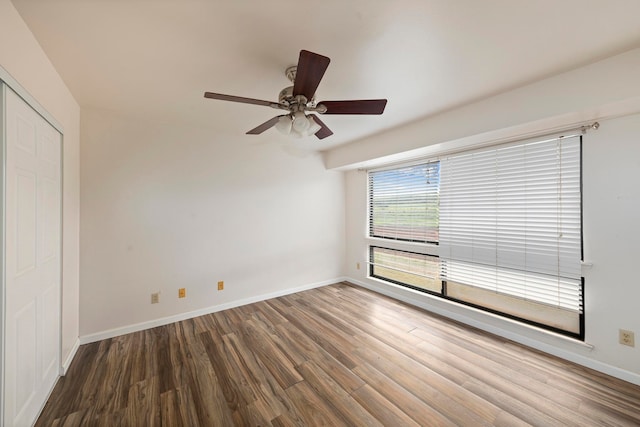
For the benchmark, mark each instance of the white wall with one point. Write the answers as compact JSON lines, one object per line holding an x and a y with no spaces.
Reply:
{"x":611,"y":203}
{"x":611,"y":211}
{"x":603,"y":89}
{"x":166,"y":206}
{"x":22,"y":57}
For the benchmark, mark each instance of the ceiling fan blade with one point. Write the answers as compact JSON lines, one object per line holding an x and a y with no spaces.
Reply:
{"x":266,"y":125}
{"x":241,"y":99}
{"x":324,"y":130}
{"x":363,"y":106}
{"x":311,"y":68}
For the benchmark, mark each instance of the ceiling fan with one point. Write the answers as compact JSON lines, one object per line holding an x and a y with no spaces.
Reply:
{"x":299,"y":99}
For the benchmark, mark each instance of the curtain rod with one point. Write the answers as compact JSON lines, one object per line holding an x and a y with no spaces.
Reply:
{"x":582,"y":129}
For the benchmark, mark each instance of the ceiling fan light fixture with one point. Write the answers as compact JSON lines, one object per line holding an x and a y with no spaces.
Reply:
{"x":284,"y":125}
{"x":297,"y":125}
{"x":300,"y":122}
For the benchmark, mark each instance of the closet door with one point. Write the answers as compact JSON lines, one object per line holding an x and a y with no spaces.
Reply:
{"x":32,"y":275}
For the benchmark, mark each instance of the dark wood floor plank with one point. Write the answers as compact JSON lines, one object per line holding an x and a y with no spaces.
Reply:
{"x":176,"y":408}
{"x":74,"y":419}
{"x":229,"y":375}
{"x":562,"y":406}
{"x":113,"y":393}
{"x":312,"y":408}
{"x":208,"y":398}
{"x":460,"y":405}
{"x":250,"y":415}
{"x":285,"y":421}
{"x":227,"y":321}
{"x":506,"y":419}
{"x":204,"y":324}
{"x":335,"y":355}
{"x":274,"y":335}
{"x":391,"y":315}
{"x":339,"y":346}
{"x":507,"y":379}
{"x":334,"y":395}
{"x":382,"y":409}
{"x":188,"y":410}
{"x":488,"y":346}
{"x":275,"y":360}
{"x":342,"y":375}
{"x":273,"y":315}
{"x":95,"y":379}
{"x":340,"y":318}
{"x":144,"y":403}
{"x":417,"y":409}
{"x":170,"y":409}
{"x":607,"y":397}
{"x":604,"y":414}
{"x":269,"y":394}
{"x":529,"y":414}
{"x":280,"y":305}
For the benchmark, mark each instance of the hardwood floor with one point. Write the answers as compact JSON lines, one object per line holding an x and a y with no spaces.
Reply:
{"x":336,"y":355}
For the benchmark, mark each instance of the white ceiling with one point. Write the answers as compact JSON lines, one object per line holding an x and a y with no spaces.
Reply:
{"x":154,"y":59}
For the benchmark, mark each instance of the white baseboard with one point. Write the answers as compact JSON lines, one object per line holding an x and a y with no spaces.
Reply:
{"x":574,"y":357}
{"x":67,"y":362}
{"x":98,"y":336}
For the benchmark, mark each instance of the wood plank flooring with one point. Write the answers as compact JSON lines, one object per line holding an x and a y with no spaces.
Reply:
{"x":335,"y":356}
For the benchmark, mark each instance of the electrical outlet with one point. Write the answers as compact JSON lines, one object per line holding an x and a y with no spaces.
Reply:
{"x":627,"y":338}
{"x":155,"y":298}
{"x":357,"y":266}
{"x":221,"y":285}
{"x":182,"y":292}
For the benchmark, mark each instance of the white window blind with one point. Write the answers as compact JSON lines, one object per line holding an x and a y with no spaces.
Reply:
{"x":510,"y":220}
{"x":403,"y":203}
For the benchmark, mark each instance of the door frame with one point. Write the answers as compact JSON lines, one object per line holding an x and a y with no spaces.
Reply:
{"x":7,"y":82}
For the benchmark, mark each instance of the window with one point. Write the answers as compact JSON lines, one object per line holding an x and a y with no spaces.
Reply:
{"x":403,"y":203}
{"x":507,"y":222}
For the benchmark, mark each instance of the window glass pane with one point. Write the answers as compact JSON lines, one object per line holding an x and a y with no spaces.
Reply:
{"x":403,"y":203}
{"x":417,"y":270}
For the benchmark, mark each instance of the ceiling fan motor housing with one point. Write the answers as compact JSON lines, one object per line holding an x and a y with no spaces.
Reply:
{"x":288,"y":99}
{"x":286,"y":95}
